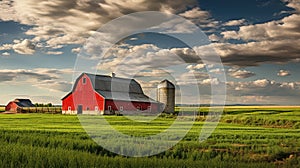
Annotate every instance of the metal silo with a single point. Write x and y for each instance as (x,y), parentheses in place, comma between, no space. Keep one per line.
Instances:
(166,95)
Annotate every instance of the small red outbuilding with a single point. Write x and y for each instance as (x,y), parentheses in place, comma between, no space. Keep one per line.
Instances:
(18,103)
(100,94)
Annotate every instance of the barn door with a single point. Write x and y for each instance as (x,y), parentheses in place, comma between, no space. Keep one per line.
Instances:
(79,109)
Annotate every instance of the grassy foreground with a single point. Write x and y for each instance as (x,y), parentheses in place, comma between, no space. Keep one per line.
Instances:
(244,138)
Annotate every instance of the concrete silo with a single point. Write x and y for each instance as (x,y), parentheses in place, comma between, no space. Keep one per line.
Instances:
(166,95)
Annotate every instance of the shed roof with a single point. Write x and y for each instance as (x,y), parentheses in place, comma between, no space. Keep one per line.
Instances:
(23,102)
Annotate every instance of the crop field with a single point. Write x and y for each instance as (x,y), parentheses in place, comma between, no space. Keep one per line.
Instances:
(2,108)
(245,137)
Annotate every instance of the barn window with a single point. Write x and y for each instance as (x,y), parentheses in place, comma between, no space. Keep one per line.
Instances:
(138,108)
(87,108)
(84,80)
(96,108)
(69,108)
(109,108)
(121,108)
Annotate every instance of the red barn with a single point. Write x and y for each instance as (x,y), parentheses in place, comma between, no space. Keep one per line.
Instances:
(18,103)
(100,94)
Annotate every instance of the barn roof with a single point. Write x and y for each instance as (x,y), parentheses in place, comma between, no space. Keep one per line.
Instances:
(115,84)
(116,88)
(23,103)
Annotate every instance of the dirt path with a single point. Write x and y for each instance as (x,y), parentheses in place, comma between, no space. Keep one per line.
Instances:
(8,112)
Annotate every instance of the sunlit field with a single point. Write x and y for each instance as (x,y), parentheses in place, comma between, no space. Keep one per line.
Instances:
(245,137)
(2,108)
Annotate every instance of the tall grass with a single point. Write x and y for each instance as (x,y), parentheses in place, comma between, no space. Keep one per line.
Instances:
(46,140)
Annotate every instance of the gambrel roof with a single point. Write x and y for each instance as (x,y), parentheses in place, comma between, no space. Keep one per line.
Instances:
(115,88)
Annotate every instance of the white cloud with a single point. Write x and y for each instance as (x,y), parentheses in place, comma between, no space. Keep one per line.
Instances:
(146,56)
(256,53)
(195,67)
(262,83)
(76,50)
(6,47)
(235,22)
(133,39)
(192,78)
(230,35)
(283,73)
(196,13)
(265,88)
(70,22)
(213,81)
(214,38)
(6,54)
(49,79)
(240,74)
(152,73)
(54,52)
(62,86)
(24,47)
(200,17)
(263,91)
(275,41)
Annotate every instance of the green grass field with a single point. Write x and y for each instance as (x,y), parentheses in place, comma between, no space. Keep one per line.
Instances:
(248,137)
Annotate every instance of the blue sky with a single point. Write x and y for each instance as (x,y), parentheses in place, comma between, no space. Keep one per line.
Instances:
(257,40)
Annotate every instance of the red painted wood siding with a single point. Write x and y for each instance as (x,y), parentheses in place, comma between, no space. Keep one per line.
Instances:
(11,107)
(84,95)
(129,106)
(68,102)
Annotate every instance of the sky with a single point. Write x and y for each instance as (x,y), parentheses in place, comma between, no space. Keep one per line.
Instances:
(258,42)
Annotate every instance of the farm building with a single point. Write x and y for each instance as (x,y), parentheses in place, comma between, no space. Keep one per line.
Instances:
(166,95)
(18,103)
(100,94)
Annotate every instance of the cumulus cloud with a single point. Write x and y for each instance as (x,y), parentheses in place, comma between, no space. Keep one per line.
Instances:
(235,22)
(261,91)
(262,83)
(257,53)
(62,86)
(54,52)
(264,91)
(283,73)
(196,13)
(200,17)
(76,50)
(195,67)
(263,87)
(6,47)
(24,47)
(44,78)
(240,74)
(152,73)
(70,22)
(128,59)
(214,38)
(6,54)
(275,41)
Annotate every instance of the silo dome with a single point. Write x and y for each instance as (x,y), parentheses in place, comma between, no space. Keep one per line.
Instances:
(166,95)
(166,84)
